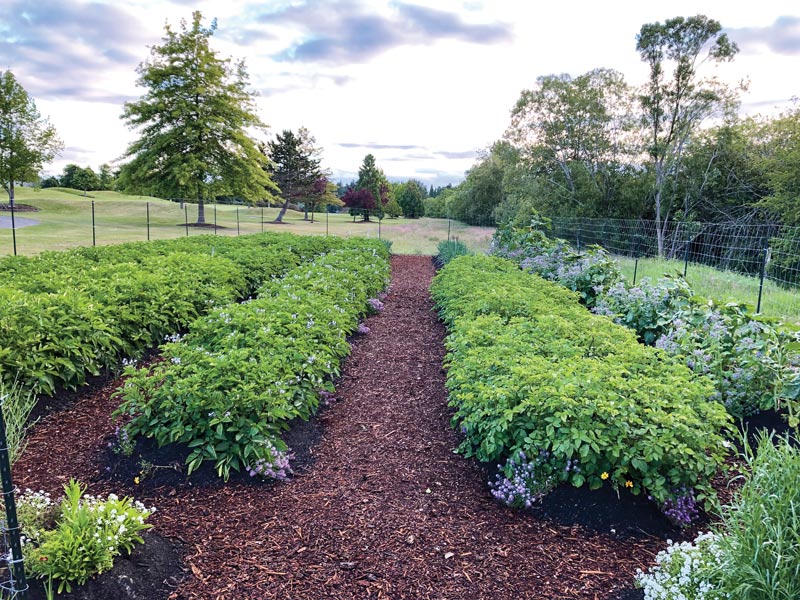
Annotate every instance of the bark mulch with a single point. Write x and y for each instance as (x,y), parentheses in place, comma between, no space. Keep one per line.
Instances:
(384,509)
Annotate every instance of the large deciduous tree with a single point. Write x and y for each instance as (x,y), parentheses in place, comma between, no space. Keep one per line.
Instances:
(27,140)
(574,133)
(193,122)
(675,105)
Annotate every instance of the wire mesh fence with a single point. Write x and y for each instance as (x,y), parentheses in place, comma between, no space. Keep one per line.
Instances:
(42,224)
(754,263)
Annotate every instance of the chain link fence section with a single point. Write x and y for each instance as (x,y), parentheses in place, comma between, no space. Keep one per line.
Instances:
(768,254)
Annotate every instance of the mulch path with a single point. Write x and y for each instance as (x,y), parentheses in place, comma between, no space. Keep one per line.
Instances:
(384,510)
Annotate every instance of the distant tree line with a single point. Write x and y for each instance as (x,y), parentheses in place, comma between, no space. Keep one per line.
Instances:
(673,149)
(82,178)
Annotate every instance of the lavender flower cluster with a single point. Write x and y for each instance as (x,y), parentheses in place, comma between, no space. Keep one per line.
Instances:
(362,329)
(375,304)
(681,509)
(275,466)
(522,482)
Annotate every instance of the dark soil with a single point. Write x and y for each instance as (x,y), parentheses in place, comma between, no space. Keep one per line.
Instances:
(151,571)
(165,467)
(382,509)
(19,208)
(768,421)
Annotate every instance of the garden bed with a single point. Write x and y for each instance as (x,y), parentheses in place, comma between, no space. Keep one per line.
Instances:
(386,509)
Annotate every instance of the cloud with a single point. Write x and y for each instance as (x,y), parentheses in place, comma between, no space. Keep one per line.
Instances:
(456,155)
(289,82)
(782,37)
(58,47)
(372,146)
(345,32)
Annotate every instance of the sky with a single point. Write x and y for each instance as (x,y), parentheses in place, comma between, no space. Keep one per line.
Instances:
(423,85)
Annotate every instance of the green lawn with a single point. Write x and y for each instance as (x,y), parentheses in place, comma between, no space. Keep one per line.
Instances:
(723,286)
(65,218)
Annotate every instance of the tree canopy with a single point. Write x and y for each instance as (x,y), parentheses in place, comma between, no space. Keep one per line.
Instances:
(27,140)
(193,121)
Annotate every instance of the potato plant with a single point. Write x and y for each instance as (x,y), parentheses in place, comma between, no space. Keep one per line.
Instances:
(529,369)
(232,384)
(67,315)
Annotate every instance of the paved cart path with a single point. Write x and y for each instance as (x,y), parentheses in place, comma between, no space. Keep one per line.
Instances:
(386,509)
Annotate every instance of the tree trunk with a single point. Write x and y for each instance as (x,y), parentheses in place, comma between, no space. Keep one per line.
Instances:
(284,207)
(312,212)
(305,210)
(201,212)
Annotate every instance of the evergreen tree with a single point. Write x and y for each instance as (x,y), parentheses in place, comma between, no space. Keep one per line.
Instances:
(193,121)
(372,179)
(294,168)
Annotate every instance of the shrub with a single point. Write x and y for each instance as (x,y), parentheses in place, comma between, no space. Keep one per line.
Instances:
(747,357)
(529,369)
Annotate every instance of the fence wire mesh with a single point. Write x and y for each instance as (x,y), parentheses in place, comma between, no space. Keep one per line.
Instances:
(753,251)
(100,221)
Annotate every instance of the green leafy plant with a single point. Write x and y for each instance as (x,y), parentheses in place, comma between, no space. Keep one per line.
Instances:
(529,369)
(231,385)
(67,543)
(447,250)
(753,552)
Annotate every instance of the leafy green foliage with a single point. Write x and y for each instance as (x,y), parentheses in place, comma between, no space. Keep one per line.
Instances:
(753,552)
(64,315)
(27,141)
(69,543)
(647,308)
(530,370)
(242,373)
(193,122)
(751,359)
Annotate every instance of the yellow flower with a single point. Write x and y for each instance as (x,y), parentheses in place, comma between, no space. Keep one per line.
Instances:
(136,480)
(604,475)
(628,484)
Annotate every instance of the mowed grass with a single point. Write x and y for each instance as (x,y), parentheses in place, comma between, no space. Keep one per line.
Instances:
(65,221)
(722,286)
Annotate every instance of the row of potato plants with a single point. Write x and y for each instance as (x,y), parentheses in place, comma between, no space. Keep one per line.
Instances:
(230,386)
(753,361)
(564,395)
(66,315)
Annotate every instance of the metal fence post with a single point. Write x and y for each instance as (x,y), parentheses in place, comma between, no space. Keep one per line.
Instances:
(327,213)
(635,269)
(262,219)
(761,279)
(13,229)
(215,218)
(237,221)
(148,221)
(19,584)
(686,257)
(94,227)
(186,218)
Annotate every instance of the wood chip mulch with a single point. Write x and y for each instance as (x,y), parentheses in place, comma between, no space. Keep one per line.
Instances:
(386,509)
